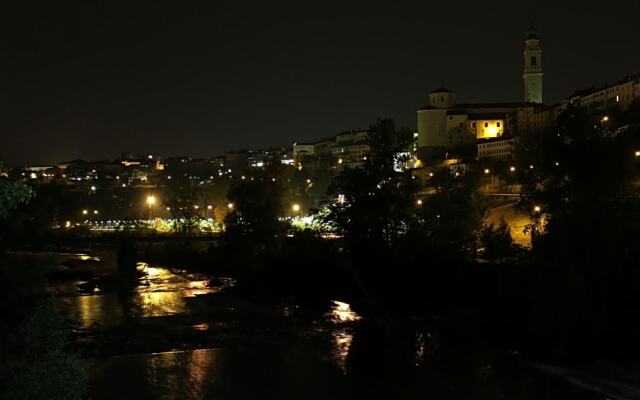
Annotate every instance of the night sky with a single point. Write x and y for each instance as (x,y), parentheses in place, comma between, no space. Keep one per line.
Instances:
(180,78)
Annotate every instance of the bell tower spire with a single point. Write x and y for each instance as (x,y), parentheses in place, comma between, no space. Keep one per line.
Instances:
(532,68)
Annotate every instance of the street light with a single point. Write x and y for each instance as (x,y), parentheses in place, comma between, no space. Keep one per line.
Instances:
(295,208)
(537,209)
(486,171)
(419,202)
(151,200)
(230,206)
(85,212)
(512,169)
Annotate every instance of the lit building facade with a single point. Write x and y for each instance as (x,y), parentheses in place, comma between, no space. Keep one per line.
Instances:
(301,150)
(443,124)
(619,94)
(496,149)
(351,149)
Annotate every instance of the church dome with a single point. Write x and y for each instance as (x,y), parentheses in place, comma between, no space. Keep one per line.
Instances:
(441,90)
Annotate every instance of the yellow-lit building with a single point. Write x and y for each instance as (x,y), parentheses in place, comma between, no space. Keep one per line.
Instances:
(487,126)
(444,124)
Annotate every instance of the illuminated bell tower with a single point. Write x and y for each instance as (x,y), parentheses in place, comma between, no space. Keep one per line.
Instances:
(532,68)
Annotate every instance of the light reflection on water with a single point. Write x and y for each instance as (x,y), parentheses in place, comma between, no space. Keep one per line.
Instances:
(341,314)
(159,292)
(342,340)
(86,257)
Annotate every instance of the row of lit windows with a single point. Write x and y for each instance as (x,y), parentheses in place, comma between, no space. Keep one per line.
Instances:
(497,151)
(485,145)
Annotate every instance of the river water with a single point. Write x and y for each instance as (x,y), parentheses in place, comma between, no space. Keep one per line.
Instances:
(179,335)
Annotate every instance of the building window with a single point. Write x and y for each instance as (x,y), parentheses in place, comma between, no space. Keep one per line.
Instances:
(534,61)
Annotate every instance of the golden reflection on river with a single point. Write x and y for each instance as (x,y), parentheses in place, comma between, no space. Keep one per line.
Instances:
(186,373)
(340,313)
(158,292)
(342,340)
(86,257)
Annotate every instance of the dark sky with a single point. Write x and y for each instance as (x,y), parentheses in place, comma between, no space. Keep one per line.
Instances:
(93,79)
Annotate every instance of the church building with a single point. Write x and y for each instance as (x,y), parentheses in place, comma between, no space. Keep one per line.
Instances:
(444,124)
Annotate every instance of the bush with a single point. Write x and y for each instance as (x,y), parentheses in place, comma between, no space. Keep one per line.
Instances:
(43,367)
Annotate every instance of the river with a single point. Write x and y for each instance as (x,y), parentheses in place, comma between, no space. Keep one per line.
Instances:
(179,335)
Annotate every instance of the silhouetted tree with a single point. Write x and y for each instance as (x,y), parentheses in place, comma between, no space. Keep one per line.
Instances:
(183,197)
(450,217)
(256,203)
(373,205)
(12,194)
(497,242)
(581,188)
